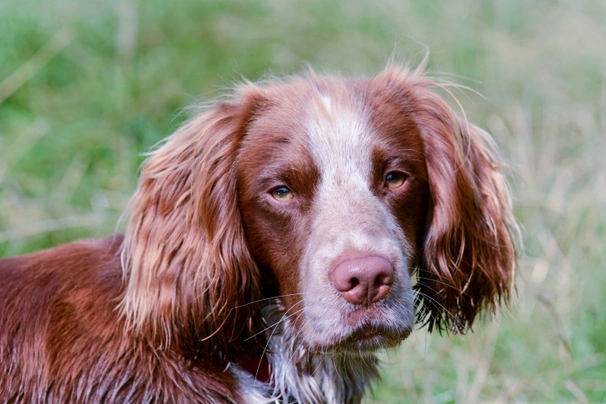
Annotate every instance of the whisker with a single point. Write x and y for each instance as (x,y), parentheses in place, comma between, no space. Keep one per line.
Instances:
(275,324)
(455,321)
(282,319)
(321,362)
(268,299)
(425,283)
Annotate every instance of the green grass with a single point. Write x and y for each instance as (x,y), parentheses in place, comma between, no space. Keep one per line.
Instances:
(87,87)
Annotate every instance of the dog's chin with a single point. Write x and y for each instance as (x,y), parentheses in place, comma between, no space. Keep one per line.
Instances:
(365,339)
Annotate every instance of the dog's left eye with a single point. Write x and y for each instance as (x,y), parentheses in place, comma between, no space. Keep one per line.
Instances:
(282,194)
(395,179)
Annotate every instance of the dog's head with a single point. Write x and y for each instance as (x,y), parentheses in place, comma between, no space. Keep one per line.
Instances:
(338,196)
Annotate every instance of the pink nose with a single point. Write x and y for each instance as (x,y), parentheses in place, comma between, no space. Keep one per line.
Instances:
(363,280)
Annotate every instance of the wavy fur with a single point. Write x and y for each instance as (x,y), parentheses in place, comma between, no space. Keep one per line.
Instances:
(284,226)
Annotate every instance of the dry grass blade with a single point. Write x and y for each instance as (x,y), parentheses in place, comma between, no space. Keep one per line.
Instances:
(36,63)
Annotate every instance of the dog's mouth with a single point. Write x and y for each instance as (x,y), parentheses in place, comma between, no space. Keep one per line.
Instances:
(362,331)
(365,339)
(369,338)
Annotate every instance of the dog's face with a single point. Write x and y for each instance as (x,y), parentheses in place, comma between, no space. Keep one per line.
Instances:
(333,194)
(328,193)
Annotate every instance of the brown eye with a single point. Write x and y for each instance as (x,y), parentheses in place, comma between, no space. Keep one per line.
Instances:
(394,179)
(282,194)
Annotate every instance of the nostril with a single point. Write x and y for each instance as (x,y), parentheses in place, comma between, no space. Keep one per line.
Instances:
(384,278)
(363,280)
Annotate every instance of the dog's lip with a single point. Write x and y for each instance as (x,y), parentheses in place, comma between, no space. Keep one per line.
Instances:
(371,337)
(367,332)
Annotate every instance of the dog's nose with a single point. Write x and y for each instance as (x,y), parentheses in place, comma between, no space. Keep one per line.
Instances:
(363,280)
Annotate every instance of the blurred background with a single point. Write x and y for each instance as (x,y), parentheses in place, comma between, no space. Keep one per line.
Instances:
(87,87)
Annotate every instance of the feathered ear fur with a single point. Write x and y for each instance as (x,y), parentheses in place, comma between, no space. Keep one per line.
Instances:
(188,273)
(468,259)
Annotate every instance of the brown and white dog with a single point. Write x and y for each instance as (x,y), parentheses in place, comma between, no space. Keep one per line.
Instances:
(274,244)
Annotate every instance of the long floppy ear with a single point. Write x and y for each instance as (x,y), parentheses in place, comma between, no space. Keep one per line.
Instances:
(468,259)
(188,273)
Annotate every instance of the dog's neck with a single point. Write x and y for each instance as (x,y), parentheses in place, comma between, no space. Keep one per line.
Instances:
(291,373)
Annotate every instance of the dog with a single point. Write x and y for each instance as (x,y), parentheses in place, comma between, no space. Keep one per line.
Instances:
(275,243)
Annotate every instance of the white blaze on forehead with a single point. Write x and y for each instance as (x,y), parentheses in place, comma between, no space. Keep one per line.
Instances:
(339,138)
(326,101)
(347,218)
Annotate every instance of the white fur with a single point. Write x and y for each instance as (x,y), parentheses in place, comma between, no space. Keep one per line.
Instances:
(347,219)
(301,376)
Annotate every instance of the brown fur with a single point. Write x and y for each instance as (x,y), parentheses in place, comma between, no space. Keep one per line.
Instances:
(162,314)
(63,340)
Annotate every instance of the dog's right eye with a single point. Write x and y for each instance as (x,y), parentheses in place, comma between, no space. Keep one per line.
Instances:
(282,194)
(395,179)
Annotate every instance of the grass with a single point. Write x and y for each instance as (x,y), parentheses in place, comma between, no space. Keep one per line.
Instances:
(86,88)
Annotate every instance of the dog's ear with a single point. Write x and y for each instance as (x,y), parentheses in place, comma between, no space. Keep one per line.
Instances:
(186,265)
(468,257)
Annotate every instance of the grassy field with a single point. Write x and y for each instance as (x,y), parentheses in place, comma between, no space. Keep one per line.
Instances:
(87,87)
